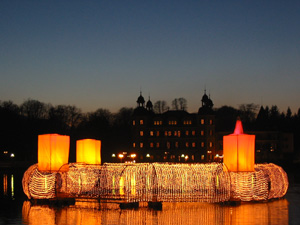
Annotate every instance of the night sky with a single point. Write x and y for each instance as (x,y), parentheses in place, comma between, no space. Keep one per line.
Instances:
(100,54)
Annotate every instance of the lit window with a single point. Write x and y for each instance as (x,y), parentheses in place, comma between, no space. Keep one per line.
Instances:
(141,145)
(186,144)
(202,144)
(170,133)
(202,132)
(193,133)
(141,133)
(176,144)
(179,133)
(210,133)
(187,133)
(175,133)
(157,133)
(202,157)
(151,133)
(210,144)
(202,121)
(168,145)
(133,144)
(141,122)
(166,133)
(193,144)
(210,122)
(157,144)
(151,145)
(133,122)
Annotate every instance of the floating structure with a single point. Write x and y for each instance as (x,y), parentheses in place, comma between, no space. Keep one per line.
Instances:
(237,179)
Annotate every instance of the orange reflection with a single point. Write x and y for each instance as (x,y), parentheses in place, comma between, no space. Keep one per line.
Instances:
(91,213)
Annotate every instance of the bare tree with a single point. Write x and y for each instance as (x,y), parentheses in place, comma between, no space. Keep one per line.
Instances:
(34,109)
(160,106)
(182,103)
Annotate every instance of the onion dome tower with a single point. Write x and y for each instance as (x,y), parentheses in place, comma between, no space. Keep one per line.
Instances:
(149,105)
(141,101)
(207,105)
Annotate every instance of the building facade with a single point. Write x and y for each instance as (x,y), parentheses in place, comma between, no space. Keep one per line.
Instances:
(173,136)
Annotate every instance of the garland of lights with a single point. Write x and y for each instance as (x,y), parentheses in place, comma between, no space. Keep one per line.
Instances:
(164,182)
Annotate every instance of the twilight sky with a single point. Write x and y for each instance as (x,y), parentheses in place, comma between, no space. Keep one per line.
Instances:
(101,53)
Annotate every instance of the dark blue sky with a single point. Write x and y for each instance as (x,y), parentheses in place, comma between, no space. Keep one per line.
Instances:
(99,54)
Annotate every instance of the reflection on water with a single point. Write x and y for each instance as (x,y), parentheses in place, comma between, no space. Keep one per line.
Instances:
(8,185)
(90,213)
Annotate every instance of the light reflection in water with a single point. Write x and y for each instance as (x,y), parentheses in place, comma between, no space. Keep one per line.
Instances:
(4,184)
(12,185)
(90,213)
(8,186)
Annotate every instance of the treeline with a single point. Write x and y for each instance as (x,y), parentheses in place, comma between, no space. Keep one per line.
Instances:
(20,125)
(258,118)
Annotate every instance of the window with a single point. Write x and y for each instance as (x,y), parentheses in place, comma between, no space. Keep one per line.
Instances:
(175,133)
(141,133)
(133,122)
(133,144)
(202,144)
(210,144)
(169,133)
(186,144)
(187,122)
(210,122)
(141,145)
(157,122)
(202,132)
(151,133)
(193,144)
(210,133)
(202,157)
(187,133)
(141,122)
(202,121)
(176,144)
(157,133)
(166,133)
(193,133)
(157,144)
(172,122)
(151,145)
(168,145)
(179,133)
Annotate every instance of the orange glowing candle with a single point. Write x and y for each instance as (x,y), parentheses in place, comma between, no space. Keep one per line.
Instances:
(88,151)
(239,150)
(53,151)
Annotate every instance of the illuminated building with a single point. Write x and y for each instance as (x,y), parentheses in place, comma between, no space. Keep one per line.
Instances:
(174,135)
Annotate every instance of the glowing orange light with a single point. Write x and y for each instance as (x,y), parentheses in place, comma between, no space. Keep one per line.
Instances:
(53,151)
(88,151)
(239,150)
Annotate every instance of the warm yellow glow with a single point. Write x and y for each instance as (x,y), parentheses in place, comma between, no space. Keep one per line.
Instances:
(164,182)
(239,151)
(88,151)
(53,151)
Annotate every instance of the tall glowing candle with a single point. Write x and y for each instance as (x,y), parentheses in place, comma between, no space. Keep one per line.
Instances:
(239,150)
(53,151)
(88,151)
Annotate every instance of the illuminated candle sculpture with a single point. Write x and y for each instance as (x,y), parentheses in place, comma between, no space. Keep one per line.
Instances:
(239,150)
(88,151)
(53,151)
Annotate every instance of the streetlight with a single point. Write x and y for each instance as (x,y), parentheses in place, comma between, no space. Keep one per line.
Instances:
(121,156)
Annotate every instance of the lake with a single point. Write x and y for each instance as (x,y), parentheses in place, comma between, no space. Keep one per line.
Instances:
(15,209)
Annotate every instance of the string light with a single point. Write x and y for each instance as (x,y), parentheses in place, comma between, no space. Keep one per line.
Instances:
(165,182)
